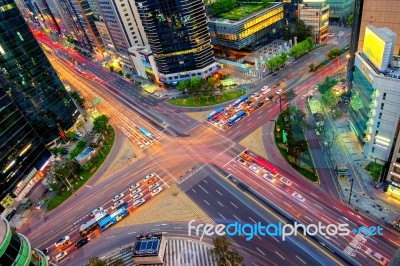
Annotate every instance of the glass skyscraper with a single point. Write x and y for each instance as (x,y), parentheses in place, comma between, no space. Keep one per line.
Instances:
(34,105)
(178,35)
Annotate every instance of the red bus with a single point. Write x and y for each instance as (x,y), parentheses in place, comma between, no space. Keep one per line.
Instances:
(269,167)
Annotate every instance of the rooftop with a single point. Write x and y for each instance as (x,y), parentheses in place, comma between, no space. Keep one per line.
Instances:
(147,246)
(242,11)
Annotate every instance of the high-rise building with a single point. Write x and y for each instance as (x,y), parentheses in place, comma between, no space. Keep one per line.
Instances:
(374,106)
(15,248)
(30,93)
(339,10)
(179,38)
(315,14)
(124,26)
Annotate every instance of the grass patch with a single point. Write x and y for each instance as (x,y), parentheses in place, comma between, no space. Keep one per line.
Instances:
(80,146)
(241,11)
(206,101)
(296,151)
(62,195)
(374,169)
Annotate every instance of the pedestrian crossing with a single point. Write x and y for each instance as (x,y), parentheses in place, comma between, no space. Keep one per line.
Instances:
(179,252)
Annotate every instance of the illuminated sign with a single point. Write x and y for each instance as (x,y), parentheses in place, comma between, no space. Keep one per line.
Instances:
(374,47)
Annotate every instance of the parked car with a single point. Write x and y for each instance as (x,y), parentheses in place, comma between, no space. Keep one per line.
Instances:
(82,242)
(156,191)
(117,204)
(62,241)
(138,202)
(61,256)
(134,186)
(137,196)
(95,211)
(119,196)
(298,196)
(154,186)
(136,191)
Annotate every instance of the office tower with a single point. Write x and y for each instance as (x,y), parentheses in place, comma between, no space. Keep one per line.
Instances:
(339,10)
(374,106)
(94,6)
(315,14)
(124,26)
(178,36)
(15,249)
(30,93)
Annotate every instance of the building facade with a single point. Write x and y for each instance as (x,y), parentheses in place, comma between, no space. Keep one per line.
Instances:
(144,62)
(374,106)
(30,93)
(15,248)
(124,26)
(316,15)
(178,36)
(249,31)
(339,10)
(392,185)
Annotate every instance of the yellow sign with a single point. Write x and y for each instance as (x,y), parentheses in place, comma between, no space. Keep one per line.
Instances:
(373,47)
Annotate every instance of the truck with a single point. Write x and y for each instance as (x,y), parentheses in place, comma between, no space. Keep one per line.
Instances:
(236,118)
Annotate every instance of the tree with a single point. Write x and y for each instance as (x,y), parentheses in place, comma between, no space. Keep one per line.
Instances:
(183,85)
(312,67)
(224,253)
(222,6)
(350,20)
(100,124)
(111,67)
(329,98)
(327,85)
(95,261)
(290,95)
(70,134)
(284,57)
(272,64)
(333,53)
(297,29)
(120,72)
(77,97)
(128,76)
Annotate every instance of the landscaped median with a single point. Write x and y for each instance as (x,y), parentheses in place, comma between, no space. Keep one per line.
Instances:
(85,173)
(292,143)
(198,101)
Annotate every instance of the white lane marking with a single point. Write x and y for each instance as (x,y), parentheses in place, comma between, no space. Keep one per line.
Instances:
(234,205)
(203,189)
(109,237)
(221,216)
(259,237)
(207,202)
(318,206)
(219,192)
(131,233)
(261,251)
(314,195)
(236,218)
(307,218)
(301,259)
(205,181)
(194,190)
(220,204)
(337,208)
(275,239)
(252,220)
(288,204)
(279,255)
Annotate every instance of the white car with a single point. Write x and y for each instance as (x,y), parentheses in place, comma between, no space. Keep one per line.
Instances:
(119,196)
(279,91)
(140,145)
(285,181)
(136,191)
(266,91)
(156,191)
(268,178)
(62,241)
(117,204)
(149,176)
(146,142)
(376,256)
(61,256)
(298,197)
(264,88)
(257,97)
(95,211)
(151,187)
(138,203)
(134,186)
(254,168)
(331,35)
(137,196)
(100,215)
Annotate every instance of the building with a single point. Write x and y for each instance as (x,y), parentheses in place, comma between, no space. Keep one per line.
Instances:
(339,10)
(249,31)
(144,62)
(15,248)
(149,250)
(34,105)
(178,36)
(374,105)
(316,15)
(105,36)
(392,185)
(124,26)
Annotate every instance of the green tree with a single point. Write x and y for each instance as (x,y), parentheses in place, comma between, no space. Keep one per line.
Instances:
(312,67)
(309,44)
(297,29)
(290,95)
(224,253)
(128,76)
(111,67)
(100,124)
(284,57)
(95,261)
(327,84)
(77,97)
(272,64)
(222,6)
(120,72)
(329,98)
(70,134)
(350,20)
(333,53)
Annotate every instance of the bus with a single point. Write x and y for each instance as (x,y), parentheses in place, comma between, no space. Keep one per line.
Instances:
(234,119)
(145,132)
(263,163)
(240,100)
(214,113)
(113,218)
(88,227)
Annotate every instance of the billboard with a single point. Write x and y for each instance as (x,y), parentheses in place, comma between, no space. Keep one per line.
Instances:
(374,47)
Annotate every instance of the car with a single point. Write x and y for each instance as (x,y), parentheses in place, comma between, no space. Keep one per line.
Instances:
(138,202)
(137,196)
(149,176)
(254,95)
(117,204)
(276,85)
(279,91)
(39,205)
(270,97)
(146,142)
(152,181)
(221,123)
(264,88)
(259,104)
(151,187)
(285,181)
(61,256)
(258,97)
(286,79)
(140,145)
(254,168)
(62,241)
(11,214)
(119,196)
(135,192)
(376,256)
(268,178)
(156,191)
(242,161)
(95,211)
(100,215)
(134,186)
(82,242)
(266,91)
(331,34)
(298,196)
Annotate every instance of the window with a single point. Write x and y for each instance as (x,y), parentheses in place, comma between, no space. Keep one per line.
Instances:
(380,115)
(376,132)
(373,149)
(384,96)
(378,125)
(382,105)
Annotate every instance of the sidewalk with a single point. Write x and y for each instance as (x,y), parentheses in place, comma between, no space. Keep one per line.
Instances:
(341,147)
